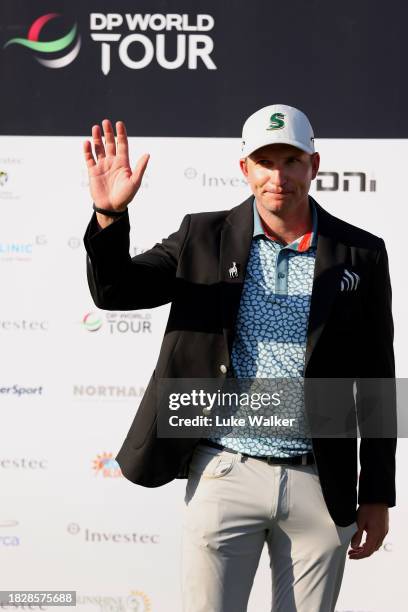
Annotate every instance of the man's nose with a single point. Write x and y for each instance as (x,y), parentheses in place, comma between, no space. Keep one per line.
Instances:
(277,176)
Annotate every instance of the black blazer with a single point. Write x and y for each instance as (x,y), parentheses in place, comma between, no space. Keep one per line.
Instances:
(350,335)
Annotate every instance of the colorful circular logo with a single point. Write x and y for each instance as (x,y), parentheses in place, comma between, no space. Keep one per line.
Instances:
(71,41)
(138,602)
(92,321)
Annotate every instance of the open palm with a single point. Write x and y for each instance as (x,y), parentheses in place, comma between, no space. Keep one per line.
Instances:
(111,180)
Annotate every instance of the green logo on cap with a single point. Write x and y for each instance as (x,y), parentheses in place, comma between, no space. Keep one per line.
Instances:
(276,122)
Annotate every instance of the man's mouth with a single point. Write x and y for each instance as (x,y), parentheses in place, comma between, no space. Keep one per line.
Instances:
(276,193)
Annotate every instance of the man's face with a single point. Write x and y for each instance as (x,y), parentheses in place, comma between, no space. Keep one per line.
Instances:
(279,176)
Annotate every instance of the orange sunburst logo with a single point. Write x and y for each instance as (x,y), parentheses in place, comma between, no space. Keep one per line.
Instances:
(106,465)
(138,602)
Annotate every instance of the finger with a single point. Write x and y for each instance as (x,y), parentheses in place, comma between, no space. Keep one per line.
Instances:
(361,554)
(110,146)
(89,158)
(370,544)
(123,147)
(97,140)
(140,168)
(356,539)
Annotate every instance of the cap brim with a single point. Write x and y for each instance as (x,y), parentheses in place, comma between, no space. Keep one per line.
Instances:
(248,150)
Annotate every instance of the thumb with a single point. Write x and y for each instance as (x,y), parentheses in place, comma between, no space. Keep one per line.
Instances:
(140,168)
(356,539)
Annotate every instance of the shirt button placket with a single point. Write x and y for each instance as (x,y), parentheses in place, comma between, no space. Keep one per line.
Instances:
(281,279)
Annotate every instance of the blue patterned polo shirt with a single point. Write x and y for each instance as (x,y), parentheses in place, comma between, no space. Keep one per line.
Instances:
(271,328)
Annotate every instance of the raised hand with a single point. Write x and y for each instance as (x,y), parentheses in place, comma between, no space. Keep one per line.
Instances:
(111,180)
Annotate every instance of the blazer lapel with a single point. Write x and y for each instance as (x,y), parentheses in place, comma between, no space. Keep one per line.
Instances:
(331,256)
(236,237)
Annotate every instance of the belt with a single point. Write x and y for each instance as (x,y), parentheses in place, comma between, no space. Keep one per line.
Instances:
(305,459)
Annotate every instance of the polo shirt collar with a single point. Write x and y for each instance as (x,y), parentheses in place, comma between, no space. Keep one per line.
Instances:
(308,240)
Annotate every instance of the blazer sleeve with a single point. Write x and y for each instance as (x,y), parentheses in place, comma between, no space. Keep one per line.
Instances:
(120,282)
(377,454)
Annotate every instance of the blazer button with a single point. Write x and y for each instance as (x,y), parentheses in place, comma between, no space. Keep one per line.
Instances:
(223,368)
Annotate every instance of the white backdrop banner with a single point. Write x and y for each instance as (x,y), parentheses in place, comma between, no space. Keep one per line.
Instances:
(72,375)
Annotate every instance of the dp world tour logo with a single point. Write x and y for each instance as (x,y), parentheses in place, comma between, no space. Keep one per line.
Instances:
(92,322)
(70,42)
(276,122)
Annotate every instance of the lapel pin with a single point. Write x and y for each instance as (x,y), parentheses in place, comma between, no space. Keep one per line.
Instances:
(233,270)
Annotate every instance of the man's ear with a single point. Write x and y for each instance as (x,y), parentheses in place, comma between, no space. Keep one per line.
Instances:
(315,164)
(243,166)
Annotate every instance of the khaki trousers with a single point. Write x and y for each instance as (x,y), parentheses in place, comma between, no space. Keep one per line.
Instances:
(233,505)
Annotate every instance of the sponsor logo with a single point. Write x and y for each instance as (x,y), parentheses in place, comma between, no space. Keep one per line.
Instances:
(23,325)
(6,181)
(92,321)
(69,44)
(89,535)
(207,180)
(74,242)
(12,248)
(23,463)
(20,251)
(129,322)
(107,391)
(21,391)
(107,466)
(7,537)
(180,43)
(136,601)
(3,178)
(118,322)
(344,181)
(276,121)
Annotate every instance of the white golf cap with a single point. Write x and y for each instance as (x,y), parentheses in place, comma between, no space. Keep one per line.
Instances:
(277,124)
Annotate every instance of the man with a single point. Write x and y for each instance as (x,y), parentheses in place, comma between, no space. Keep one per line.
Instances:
(275,287)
